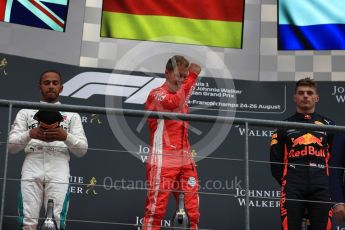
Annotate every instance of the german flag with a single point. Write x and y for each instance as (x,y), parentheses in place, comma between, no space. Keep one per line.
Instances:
(200,22)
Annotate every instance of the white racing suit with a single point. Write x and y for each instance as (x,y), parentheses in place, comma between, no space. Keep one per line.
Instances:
(45,171)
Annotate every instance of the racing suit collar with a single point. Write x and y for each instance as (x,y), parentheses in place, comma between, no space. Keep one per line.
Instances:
(305,116)
(57,103)
(168,88)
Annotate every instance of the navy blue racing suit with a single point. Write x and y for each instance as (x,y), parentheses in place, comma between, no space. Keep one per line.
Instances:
(299,163)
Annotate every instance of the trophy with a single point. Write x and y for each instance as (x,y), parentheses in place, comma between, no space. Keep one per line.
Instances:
(180,219)
(49,222)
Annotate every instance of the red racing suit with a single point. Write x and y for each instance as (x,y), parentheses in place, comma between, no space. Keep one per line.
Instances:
(300,165)
(170,167)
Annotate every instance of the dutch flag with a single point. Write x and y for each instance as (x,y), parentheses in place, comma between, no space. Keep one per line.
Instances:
(311,25)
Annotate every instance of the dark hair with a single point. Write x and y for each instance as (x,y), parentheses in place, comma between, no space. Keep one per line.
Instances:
(176,61)
(306,82)
(50,71)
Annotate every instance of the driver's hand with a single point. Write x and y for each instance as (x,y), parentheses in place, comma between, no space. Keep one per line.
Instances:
(195,68)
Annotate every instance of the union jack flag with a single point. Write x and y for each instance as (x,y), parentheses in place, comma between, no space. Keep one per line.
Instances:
(46,14)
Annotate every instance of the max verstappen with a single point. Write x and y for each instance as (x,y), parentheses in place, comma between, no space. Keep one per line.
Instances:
(299,163)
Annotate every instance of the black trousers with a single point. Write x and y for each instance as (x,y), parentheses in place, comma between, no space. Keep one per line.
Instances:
(298,198)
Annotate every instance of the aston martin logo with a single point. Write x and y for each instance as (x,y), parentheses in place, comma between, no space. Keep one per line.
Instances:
(3,65)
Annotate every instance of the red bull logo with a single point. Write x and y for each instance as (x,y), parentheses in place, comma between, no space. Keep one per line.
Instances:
(306,139)
(307,150)
(307,117)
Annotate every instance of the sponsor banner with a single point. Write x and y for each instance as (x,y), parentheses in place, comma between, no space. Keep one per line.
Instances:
(254,132)
(208,94)
(338,92)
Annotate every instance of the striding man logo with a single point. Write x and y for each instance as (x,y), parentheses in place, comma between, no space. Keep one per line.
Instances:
(91,187)
(3,65)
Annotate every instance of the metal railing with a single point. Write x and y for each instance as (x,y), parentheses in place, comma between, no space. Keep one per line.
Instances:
(165,115)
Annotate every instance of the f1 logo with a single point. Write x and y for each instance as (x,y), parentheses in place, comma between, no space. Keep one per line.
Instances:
(135,88)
